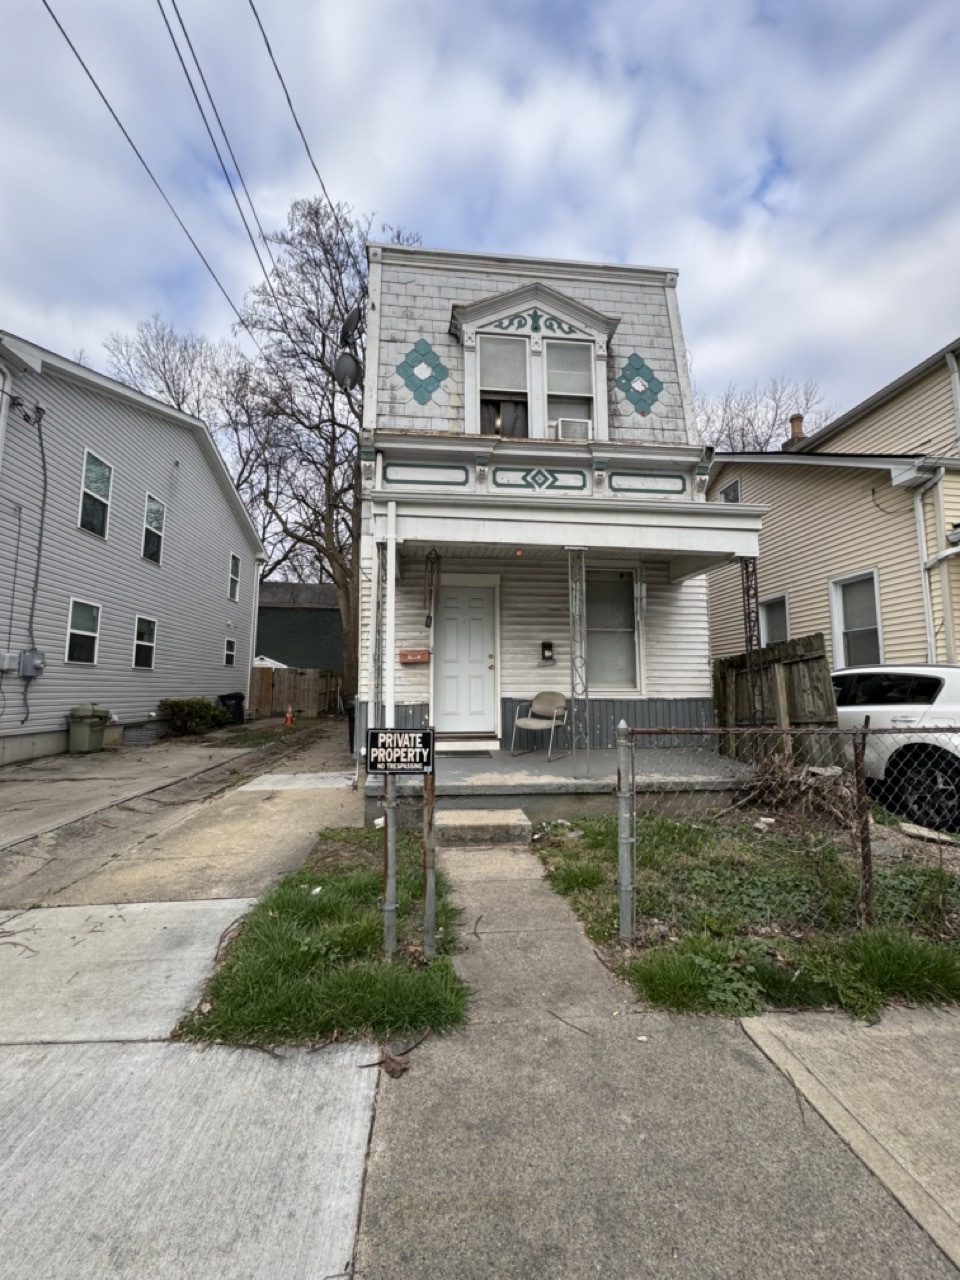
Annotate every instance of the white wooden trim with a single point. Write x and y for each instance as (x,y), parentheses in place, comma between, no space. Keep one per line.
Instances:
(83,490)
(836,611)
(70,631)
(371,375)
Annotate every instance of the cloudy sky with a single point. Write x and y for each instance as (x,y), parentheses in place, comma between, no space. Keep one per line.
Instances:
(797,162)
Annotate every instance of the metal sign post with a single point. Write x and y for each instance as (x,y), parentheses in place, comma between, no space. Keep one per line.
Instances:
(391,752)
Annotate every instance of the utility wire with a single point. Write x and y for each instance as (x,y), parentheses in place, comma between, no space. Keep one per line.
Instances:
(150,173)
(226,139)
(306,145)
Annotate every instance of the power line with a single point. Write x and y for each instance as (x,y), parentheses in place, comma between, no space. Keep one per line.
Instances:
(306,145)
(153,178)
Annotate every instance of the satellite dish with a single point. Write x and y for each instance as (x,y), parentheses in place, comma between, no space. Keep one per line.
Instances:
(350,324)
(346,372)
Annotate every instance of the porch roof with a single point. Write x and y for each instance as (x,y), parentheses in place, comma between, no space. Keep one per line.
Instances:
(691,536)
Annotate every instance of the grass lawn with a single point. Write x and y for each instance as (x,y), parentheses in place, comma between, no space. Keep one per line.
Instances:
(731,921)
(306,965)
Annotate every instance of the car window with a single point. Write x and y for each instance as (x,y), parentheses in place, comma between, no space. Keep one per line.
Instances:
(841,690)
(890,688)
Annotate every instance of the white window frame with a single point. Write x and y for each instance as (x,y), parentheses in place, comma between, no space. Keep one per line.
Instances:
(546,389)
(88,453)
(231,578)
(71,630)
(536,374)
(142,617)
(780,595)
(639,613)
(151,497)
(836,612)
(228,652)
(733,485)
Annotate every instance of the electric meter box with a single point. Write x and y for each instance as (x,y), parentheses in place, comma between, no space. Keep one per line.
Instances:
(33,663)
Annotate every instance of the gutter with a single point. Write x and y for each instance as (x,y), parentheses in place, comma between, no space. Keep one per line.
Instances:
(254,610)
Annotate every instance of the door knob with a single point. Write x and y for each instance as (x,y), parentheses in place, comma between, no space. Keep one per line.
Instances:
(489,666)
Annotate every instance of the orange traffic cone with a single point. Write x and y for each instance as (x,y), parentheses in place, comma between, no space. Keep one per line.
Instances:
(288,718)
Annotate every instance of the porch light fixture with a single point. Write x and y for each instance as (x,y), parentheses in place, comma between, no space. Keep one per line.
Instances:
(518,552)
(546,650)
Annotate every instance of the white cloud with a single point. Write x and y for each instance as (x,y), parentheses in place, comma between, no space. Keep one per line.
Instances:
(794,162)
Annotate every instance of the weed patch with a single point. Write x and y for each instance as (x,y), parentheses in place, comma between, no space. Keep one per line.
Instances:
(307,964)
(731,920)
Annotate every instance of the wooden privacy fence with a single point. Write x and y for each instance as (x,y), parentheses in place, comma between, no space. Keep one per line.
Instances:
(797,694)
(309,692)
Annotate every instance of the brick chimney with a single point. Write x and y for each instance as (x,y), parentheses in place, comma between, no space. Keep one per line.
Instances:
(796,433)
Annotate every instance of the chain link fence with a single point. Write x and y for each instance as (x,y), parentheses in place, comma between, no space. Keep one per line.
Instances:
(799,832)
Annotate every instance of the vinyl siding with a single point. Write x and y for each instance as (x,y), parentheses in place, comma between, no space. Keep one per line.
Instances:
(187,594)
(534,607)
(918,420)
(825,523)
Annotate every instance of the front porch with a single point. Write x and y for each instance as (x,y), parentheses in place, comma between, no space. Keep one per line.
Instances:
(668,777)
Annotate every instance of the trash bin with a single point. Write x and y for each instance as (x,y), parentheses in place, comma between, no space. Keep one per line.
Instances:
(87,722)
(234,704)
(350,707)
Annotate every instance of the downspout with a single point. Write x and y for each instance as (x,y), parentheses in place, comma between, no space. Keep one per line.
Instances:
(390,623)
(924,567)
(955,392)
(254,609)
(5,383)
(946,596)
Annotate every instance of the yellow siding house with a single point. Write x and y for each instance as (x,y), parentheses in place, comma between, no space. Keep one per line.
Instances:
(863,527)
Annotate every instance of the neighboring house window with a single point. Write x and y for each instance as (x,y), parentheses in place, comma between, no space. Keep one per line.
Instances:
(503,387)
(230,653)
(856,620)
(730,492)
(773,620)
(234,577)
(144,643)
(83,632)
(95,496)
(569,390)
(611,630)
(153,530)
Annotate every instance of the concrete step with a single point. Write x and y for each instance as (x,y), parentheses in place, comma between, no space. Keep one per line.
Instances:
(459,827)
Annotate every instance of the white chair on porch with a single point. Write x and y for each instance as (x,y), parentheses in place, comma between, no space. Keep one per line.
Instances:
(546,713)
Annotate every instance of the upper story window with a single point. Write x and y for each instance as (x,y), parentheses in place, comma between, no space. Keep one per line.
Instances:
(730,492)
(569,390)
(153,529)
(504,404)
(234,587)
(95,494)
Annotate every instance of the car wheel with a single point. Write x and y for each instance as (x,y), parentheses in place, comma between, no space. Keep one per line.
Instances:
(929,791)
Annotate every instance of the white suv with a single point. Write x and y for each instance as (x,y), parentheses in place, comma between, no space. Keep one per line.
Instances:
(913,771)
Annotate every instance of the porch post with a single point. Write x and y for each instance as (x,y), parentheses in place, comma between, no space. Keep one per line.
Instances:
(579,692)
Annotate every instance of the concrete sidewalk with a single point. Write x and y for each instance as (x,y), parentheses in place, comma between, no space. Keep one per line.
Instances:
(566,1133)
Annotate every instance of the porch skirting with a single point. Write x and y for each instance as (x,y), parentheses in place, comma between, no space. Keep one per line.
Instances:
(605,715)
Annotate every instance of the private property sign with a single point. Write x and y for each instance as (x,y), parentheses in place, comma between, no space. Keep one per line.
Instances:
(399,751)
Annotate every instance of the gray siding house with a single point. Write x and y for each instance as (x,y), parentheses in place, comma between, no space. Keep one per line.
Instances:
(534,514)
(128,565)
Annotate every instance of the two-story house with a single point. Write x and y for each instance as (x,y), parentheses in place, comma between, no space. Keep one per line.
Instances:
(863,527)
(128,565)
(534,514)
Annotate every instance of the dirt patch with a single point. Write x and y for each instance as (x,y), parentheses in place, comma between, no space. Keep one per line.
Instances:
(346,849)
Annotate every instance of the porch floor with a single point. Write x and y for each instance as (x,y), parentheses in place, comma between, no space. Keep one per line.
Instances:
(658,769)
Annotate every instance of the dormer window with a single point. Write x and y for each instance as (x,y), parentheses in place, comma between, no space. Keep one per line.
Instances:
(569,390)
(535,365)
(504,405)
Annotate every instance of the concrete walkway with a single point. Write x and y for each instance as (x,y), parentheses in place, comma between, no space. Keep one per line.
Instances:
(565,1133)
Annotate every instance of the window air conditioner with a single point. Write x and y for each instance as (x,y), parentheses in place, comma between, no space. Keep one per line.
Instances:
(573,428)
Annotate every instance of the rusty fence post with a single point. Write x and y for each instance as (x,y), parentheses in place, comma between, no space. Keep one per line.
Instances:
(868,914)
(390,864)
(625,833)
(429,865)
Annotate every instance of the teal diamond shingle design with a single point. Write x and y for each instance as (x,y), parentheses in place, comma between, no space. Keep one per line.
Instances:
(639,384)
(422,371)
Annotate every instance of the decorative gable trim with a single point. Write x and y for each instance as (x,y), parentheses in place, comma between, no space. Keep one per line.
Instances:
(516,304)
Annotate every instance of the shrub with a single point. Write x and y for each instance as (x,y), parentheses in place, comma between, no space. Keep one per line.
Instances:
(193,715)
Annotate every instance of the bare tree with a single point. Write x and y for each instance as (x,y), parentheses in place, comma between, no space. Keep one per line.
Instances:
(757,418)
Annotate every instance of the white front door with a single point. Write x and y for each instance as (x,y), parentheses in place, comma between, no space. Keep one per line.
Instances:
(465,662)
